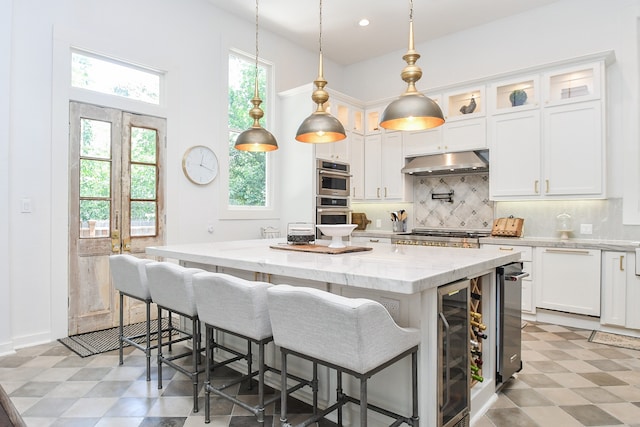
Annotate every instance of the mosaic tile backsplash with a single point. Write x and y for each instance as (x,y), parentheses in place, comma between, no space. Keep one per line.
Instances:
(470,207)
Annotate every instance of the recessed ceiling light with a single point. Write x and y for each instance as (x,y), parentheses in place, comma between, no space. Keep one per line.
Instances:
(363,22)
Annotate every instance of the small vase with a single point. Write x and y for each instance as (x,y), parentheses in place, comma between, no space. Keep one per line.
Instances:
(518,97)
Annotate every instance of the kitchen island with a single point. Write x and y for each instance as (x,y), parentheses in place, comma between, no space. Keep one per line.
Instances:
(403,278)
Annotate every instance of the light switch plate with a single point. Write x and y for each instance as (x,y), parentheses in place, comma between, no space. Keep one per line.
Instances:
(586,228)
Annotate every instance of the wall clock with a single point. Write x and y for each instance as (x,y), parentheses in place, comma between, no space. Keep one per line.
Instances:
(200,164)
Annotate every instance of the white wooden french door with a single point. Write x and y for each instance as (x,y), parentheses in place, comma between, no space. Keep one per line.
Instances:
(116,205)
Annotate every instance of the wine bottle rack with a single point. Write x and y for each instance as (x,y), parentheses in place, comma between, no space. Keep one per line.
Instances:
(475,306)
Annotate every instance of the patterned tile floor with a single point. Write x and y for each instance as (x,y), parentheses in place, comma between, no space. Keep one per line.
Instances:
(566,381)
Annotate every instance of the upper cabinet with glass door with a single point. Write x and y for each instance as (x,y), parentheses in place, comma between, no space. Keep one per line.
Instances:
(574,84)
(521,93)
(464,103)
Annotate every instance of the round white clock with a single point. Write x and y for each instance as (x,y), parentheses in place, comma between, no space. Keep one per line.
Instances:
(200,164)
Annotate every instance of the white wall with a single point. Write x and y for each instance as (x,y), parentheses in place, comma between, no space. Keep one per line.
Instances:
(187,39)
(5,90)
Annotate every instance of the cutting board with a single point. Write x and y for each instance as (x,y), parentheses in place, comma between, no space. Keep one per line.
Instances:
(321,249)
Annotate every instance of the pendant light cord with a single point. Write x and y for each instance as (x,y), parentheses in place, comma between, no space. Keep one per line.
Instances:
(320,37)
(256,69)
(411,10)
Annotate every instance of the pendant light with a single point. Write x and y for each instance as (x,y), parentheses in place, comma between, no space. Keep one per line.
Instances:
(413,110)
(256,138)
(320,126)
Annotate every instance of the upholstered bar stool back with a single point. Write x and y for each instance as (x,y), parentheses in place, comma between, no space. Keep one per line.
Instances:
(235,306)
(352,335)
(171,288)
(130,278)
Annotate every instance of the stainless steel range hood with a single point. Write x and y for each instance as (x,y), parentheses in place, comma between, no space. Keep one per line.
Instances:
(463,163)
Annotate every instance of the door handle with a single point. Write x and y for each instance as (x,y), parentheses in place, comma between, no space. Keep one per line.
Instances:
(126,244)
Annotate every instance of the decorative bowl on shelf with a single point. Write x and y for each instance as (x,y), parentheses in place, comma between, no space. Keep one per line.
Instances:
(336,232)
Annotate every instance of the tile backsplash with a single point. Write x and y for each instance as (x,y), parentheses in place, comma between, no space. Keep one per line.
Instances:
(469,208)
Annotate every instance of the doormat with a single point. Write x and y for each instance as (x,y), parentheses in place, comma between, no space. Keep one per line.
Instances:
(615,340)
(91,343)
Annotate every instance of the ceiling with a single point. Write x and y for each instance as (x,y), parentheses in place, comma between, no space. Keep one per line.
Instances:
(344,42)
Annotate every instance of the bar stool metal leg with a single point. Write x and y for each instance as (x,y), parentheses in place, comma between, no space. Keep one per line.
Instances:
(363,402)
(283,388)
(160,347)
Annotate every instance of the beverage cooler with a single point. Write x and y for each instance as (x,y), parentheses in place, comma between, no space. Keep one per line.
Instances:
(453,355)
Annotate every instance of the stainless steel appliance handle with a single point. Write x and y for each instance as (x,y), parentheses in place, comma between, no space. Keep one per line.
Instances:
(516,277)
(446,361)
(333,172)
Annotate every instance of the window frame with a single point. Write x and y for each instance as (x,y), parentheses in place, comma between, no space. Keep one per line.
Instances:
(270,210)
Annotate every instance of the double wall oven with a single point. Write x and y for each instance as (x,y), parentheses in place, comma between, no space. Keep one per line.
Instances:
(332,195)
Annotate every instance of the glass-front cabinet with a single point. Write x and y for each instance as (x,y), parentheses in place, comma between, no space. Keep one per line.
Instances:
(579,83)
(514,95)
(465,103)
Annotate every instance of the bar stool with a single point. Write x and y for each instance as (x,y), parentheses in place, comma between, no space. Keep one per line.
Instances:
(237,307)
(171,289)
(352,335)
(130,278)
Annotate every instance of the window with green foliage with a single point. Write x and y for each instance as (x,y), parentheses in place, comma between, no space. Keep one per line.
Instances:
(248,171)
(105,75)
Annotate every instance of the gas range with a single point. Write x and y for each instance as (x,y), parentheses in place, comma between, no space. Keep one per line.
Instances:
(452,238)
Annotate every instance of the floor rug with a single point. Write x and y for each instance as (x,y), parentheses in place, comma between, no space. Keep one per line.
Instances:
(97,342)
(615,340)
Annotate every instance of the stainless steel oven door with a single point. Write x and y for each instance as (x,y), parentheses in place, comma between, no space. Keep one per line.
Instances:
(331,216)
(332,183)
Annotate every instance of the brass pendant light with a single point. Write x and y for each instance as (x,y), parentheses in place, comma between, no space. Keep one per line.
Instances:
(413,110)
(320,126)
(256,138)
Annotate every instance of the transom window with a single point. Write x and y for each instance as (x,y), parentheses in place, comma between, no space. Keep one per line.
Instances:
(105,75)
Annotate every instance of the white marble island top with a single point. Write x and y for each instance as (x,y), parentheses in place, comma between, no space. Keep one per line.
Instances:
(387,267)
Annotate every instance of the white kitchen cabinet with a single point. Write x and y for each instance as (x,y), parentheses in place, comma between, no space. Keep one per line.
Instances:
(464,103)
(554,148)
(573,147)
(620,290)
(422,142)
(515,154)
(383,161)
(356,145)
(614,288)
(372,120)
(337,151)
(528,302)
(568,280)
(515,94)
(459,135)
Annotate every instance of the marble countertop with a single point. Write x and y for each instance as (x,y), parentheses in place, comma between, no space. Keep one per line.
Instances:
(387,267)
(602,244)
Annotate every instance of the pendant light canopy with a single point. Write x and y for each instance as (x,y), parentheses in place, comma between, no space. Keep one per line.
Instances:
(320,126)
(256,138)
(413,110)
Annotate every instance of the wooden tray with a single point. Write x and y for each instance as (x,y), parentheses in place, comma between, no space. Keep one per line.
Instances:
(321,249)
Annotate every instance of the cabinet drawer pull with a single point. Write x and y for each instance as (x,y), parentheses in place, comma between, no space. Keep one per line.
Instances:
(378,192)
(621,262)
(505,249)
(567,251)
(535,186)
(547,184)
(374,240)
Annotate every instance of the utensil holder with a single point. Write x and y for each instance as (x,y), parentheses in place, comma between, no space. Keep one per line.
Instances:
(399,226)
